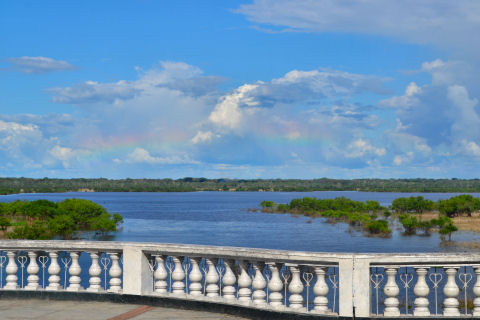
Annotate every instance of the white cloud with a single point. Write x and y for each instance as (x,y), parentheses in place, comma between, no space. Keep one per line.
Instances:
(203,137)
(227,112)
(140,155)
(471,148)
(361,147)
(175,76)
(294,88)
(399,160)
(442,22)
(37,65)
(405,101)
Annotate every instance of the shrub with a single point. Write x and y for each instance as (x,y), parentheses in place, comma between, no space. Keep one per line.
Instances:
(267,204)
(378,227)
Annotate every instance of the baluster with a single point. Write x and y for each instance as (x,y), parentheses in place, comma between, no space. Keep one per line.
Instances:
(115,274)
(32,270)
(229,280)
(11,271)
(275,285)
(258,284)
(178,275)
(160,275)
(53,271)
(244,283)
(211,279)
(476,292)
(94,272)
(391,290)
(421,291)
(320,290)
(195,277)
(75,270)
(295,288)
(451,291)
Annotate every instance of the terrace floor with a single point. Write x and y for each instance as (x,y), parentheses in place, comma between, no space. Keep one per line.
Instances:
(87,310)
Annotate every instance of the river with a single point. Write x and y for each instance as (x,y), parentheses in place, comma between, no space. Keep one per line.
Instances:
(221,218)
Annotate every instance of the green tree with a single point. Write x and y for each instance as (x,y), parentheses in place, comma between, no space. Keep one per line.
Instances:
(63,225)
(5,223)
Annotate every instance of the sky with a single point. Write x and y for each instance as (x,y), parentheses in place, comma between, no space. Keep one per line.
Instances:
(240,89)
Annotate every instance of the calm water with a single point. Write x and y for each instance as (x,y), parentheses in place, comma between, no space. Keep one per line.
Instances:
(221,218)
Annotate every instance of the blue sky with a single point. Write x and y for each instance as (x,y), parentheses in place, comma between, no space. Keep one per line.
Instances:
(240,89)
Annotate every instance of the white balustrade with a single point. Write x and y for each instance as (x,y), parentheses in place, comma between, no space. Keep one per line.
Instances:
(297,282)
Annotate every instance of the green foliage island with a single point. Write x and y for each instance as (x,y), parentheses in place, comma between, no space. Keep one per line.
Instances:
(413,213)
(46,185)
(43,219)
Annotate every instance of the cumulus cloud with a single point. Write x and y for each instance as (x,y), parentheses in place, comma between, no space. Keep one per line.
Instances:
(38,65)
(294,88)
(175,76)
(441,22)
(436,122)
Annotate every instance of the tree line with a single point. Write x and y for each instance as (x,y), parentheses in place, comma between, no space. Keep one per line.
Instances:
(189,184)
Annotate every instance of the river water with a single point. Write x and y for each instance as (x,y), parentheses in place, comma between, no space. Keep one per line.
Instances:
(221,218)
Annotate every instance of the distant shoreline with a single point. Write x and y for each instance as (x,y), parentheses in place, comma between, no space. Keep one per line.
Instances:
(47,185)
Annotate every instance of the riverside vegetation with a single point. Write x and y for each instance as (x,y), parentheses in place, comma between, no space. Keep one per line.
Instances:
(43,219)
(46,185)
(414,213)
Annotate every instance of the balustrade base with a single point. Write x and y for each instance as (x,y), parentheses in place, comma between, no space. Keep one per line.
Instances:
(31,288)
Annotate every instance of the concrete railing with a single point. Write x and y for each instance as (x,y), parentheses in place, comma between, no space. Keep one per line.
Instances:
(327,284)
